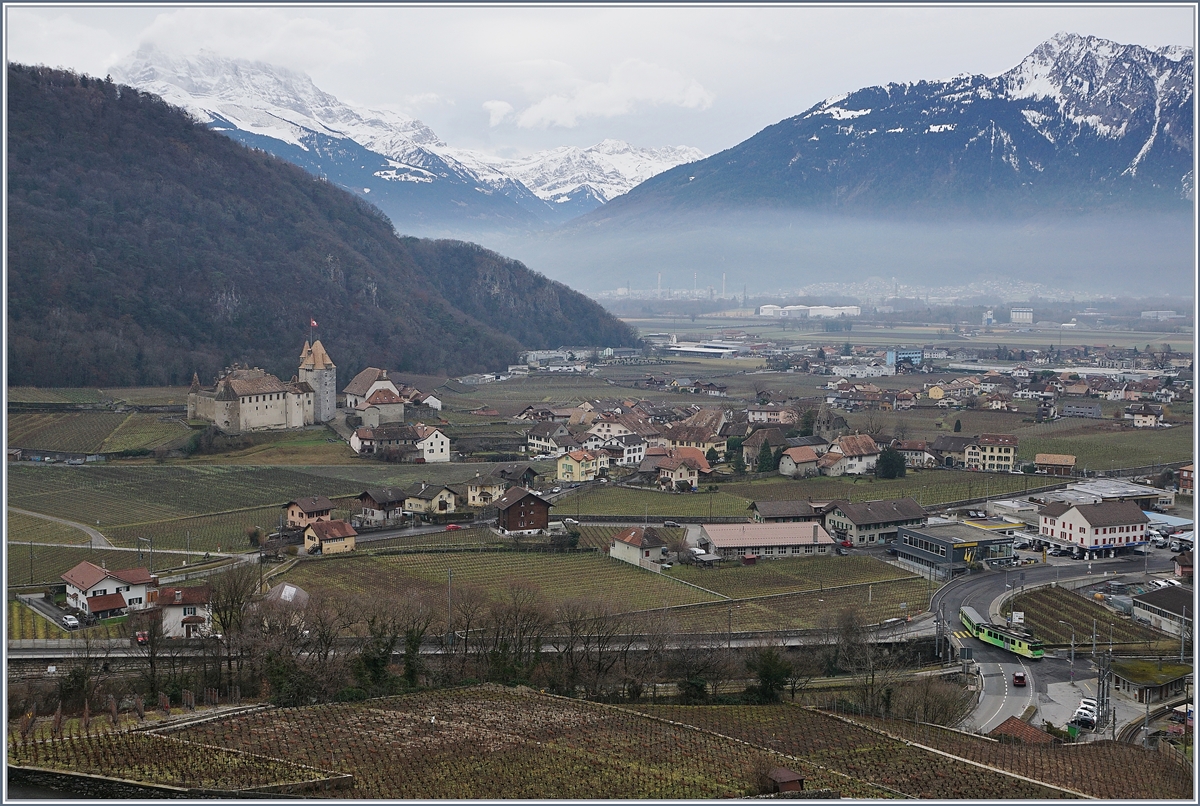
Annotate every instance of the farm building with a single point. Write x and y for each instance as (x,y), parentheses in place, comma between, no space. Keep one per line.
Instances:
(767,540)
(303,511)
(784,511)
(1055,464)
(95,590)
(519,510)
(874,521)
(329,537)
(640,546)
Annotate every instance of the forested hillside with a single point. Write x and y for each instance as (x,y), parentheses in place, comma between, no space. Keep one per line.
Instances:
(143,248)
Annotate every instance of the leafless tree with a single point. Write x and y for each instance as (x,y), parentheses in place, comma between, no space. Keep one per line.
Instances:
(516,629)
(230,603)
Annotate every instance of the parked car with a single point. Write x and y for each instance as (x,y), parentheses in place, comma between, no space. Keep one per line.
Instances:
(847,543)
(842,550)
(557,490)
(1084,720)
(142,637)
(665,566)
(674,524)
(452,527)
(1019,679)
(70,622)
(1088,702)
(570,522)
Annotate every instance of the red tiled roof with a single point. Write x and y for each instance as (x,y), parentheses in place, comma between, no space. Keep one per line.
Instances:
(801,455)
(109,601)
(641,537)
(331,530)
(195,595)
(85,575)
(314,503)
(1021,730)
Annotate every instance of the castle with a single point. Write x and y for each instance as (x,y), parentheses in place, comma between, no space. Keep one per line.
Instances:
(245,399)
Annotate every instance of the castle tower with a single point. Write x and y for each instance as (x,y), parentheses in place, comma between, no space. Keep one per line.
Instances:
(319,372)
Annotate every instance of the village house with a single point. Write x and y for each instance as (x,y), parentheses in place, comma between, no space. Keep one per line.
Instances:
(383,406)
(1183,564)
(522,511)
(578,466)
(798,462)
(874,521)
(628,451)
(996,452)
(772,413)
(418,443)
(1089,410)
(640,546)
(1095,527)
(1144,415)
(854,454)
(366,383)
(752,446)
(678,473)
(917,454)
(1187,479)
(765,540)
(482,491)
(381,505)
(303,511)
(520,474)
(186,612)
(547,437)
(102,593)
(785,511)
(329,537)
(951,450)
(429,499)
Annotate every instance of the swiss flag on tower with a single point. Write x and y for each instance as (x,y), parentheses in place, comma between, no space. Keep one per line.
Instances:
(312,322)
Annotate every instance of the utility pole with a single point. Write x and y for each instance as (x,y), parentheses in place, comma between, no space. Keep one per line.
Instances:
(189,550)
(1060,621)
(1183,633)
(1093,638)
(449,623)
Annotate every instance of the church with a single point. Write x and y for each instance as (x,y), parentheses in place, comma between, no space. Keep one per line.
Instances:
(251,399)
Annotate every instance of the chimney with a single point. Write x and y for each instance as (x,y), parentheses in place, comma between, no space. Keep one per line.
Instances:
(178,595)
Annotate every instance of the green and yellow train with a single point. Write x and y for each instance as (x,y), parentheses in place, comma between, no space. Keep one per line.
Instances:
(1014,640)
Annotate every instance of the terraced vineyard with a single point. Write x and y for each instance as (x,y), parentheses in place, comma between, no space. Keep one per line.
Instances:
(856,751)
(29,529)
(559,578)
(788,575)
(491,742)
(1045,607)
(1143,774)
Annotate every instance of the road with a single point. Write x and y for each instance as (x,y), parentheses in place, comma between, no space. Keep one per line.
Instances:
(96,539)
(1052,685)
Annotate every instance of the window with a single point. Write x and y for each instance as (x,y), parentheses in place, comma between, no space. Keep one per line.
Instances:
(189,611)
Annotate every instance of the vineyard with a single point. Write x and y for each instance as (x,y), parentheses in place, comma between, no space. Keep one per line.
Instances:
(50,562)
(558,577)
(1101,451)
(818,609)
(75,431)
(479,536)
(155,759)
(33,394)
(23,623)
(600,537)
(1045,607)
(29,529)
(788,575)
(491,742)
(146,432)
(1143,774)
(223,532)
(856,751)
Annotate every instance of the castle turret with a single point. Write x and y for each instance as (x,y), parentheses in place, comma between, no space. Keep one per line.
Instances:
(319,372)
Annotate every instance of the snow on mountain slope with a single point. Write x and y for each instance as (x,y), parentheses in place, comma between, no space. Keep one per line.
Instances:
(262,100)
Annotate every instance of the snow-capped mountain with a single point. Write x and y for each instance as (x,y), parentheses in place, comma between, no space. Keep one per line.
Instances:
(584,178)
(396,161)
(1080,124)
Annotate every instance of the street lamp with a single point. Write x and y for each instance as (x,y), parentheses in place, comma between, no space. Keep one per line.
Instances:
(1060,621)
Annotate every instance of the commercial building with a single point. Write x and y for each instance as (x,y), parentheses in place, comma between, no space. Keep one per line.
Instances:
(944,551)
(765,540)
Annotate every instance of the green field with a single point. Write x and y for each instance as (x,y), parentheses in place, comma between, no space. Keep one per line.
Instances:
(21,528)
(558,577)
(812,610)
(788,575)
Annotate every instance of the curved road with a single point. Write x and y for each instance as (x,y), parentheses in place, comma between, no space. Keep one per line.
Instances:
(1000,699)
(97,540)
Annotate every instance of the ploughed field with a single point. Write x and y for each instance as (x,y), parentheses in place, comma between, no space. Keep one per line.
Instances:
(493,742)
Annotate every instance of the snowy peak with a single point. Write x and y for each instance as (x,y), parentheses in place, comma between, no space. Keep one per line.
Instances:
(604,171)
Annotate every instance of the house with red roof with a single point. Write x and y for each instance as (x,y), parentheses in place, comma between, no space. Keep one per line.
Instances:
(186,612)
(637,545)
(97,591)
(329,537)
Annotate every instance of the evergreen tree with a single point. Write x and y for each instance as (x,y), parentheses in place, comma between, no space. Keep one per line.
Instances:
(766,461)
(890,464)
(711,457)
(957,426)
(738,465)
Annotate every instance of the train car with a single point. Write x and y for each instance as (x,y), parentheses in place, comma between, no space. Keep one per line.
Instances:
(1014,640)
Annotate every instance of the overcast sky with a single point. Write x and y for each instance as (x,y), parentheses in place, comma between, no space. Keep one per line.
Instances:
(515,80)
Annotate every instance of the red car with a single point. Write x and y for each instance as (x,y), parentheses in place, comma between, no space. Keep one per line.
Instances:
(848,544)
(1018,679)
(452,527)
